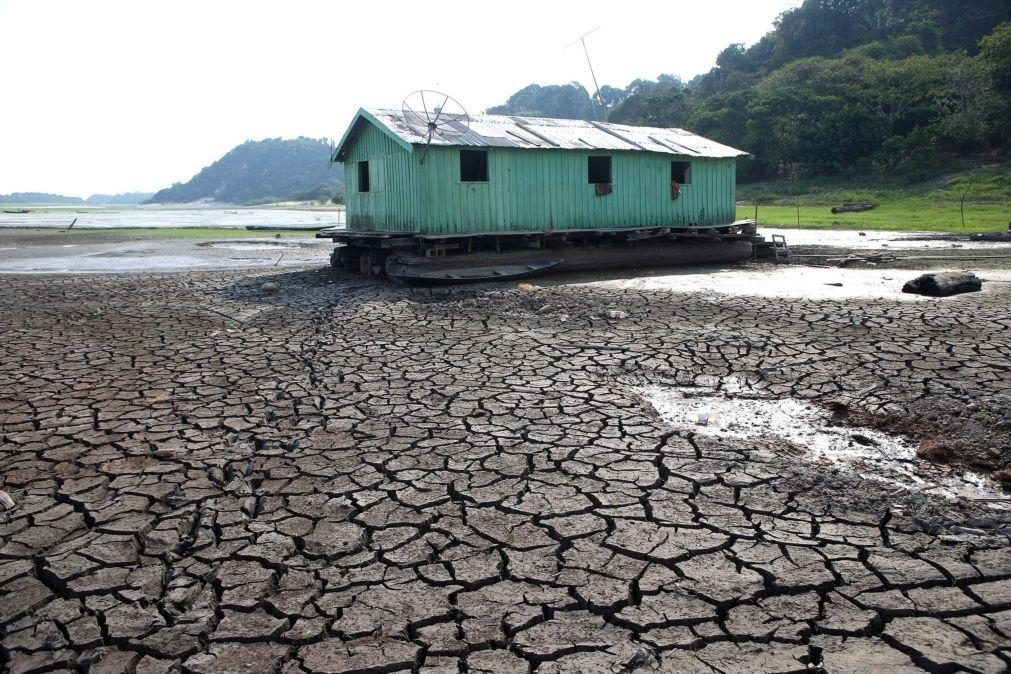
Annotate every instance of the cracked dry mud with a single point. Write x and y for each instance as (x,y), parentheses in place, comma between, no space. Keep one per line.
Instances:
(352,477)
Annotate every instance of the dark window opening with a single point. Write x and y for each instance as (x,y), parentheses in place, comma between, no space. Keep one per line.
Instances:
(363,176)
(598,170)
(473,166)
(681,172)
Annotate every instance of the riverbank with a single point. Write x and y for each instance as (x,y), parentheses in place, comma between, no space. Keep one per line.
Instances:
(333,474)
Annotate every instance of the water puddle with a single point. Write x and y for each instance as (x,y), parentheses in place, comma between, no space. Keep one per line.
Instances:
(733,413)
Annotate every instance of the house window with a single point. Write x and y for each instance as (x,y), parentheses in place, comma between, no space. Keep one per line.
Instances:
(681,172)
(598,170)
(363,176)
(473,166)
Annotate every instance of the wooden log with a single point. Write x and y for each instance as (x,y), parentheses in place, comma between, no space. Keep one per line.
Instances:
(943,284)
(852,208)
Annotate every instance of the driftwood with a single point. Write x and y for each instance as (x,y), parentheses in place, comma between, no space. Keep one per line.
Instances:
(852,208)
(944,284)
(860,259)
(992,236)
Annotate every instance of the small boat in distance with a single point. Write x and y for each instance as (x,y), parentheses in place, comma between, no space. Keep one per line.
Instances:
(286,228)
(19,210)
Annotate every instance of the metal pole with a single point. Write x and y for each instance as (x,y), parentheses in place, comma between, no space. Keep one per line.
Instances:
(582,39)
(594,76)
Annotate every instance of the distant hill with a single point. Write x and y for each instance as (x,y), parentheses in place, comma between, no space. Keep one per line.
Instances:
(561,101)
(573,101)
(261,171)
(124,199)
(38,198)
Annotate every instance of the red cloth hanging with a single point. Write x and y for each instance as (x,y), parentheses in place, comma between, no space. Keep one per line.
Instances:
(675,189)
(603,189)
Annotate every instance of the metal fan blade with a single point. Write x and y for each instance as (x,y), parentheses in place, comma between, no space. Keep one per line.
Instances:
(440,109)
(424,106)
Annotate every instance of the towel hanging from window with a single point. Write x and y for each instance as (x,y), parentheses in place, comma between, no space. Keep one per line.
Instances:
(675,189)
(603,189)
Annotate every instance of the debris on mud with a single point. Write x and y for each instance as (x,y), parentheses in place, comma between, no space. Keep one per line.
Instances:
(943,284)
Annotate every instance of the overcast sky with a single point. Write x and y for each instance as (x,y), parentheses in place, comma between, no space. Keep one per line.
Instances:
(110,96)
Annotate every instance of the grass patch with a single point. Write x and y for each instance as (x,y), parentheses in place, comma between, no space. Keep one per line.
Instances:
(890,215)
(931,205)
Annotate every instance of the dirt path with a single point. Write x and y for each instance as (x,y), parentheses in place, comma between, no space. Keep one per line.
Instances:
(350,477)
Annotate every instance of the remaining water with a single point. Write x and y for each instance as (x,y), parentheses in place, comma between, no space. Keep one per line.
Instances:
(101,218)
(721,412)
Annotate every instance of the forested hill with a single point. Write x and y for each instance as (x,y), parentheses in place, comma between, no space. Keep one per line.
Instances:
(260,172)
(837,87)
(28,198)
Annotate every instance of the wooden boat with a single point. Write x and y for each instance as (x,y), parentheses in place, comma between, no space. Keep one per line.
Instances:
(510,272)
(20,210)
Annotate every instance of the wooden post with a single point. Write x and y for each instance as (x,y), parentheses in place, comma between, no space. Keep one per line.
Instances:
(961,208)
(756,211)
(797,198)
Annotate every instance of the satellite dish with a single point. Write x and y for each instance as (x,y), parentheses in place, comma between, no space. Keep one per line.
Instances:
(432,114)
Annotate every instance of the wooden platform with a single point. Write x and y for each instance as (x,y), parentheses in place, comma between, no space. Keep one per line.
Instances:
(461,258)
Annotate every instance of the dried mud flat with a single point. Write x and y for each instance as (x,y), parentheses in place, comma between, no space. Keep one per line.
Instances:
(344,477)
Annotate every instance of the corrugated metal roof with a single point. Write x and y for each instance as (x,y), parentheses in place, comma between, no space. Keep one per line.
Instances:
(546,133)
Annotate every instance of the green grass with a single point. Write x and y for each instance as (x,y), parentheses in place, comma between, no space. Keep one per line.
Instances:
(931,205)
(896,215)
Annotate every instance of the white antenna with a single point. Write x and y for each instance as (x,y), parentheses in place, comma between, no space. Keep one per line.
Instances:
(582,39)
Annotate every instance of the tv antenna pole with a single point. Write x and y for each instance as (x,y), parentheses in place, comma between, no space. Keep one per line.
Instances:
(582,40)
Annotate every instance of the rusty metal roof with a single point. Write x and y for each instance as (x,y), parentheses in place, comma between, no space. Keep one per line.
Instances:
(545,134)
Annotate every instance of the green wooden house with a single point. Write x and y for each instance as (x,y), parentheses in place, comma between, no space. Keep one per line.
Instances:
(505,174)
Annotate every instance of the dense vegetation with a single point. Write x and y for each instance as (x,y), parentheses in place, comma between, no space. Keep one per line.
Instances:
(838,87)
(263,171)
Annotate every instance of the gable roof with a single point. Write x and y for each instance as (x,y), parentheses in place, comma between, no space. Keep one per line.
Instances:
(541,133)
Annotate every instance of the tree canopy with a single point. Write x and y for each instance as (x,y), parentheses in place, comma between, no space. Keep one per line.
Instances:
(839,85)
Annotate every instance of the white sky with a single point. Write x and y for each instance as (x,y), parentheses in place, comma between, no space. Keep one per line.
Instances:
(113,96)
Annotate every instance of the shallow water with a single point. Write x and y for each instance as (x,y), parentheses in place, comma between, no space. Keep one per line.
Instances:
(730,412)
(792,281)
(878,240)
(167,255)
(172,217)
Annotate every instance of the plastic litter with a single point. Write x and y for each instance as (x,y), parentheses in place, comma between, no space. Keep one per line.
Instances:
(616,314)
(6,501)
